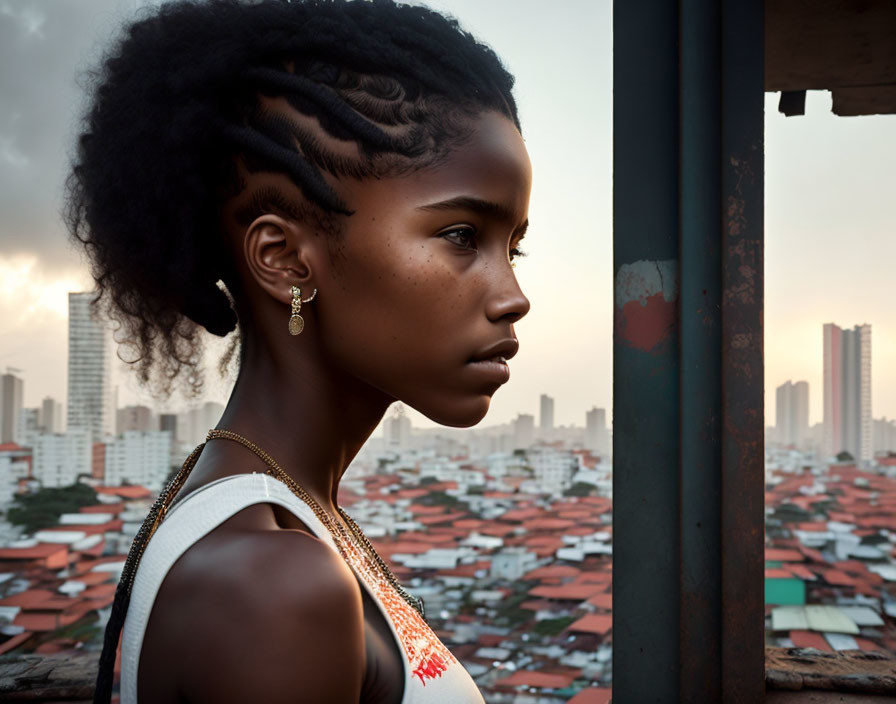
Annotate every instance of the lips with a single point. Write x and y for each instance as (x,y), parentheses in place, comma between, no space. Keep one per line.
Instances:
(499,351)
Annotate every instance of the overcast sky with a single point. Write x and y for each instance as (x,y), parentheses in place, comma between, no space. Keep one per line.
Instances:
(830,224)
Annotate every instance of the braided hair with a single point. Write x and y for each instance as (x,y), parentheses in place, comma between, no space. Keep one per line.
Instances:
(200,93)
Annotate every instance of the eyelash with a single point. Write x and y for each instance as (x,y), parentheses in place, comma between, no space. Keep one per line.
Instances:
(471,234)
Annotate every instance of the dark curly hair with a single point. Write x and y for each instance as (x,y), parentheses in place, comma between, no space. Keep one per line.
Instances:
(192,98)
(195,96)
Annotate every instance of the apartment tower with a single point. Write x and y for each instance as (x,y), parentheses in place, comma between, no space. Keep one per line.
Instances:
(792,413)
(847,391)
(89,369)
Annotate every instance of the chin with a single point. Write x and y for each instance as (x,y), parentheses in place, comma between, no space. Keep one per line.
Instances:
(457,413)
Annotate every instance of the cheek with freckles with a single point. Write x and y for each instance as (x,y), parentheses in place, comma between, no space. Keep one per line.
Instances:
(394,306)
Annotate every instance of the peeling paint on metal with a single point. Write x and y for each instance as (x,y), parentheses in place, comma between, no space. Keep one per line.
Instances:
(646,302)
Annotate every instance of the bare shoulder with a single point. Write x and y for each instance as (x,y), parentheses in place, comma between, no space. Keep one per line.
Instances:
(280,612)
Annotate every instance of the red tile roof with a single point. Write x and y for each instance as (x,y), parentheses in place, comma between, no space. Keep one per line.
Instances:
(15,641)
(778,555)
(593,623)
(28,599)
(531,678)
(40,550)
(552,571)
(810,639)
(126,492)
(602,601)
(577,592)
(592,695)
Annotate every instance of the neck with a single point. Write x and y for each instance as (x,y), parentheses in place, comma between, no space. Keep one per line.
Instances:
(305,413)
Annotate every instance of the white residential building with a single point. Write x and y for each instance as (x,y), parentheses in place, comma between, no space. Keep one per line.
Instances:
(512,563)
(137,458)
(29,426)
(60,457)
(553,469)
(13,467)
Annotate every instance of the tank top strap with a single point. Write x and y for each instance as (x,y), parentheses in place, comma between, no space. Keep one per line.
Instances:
(188,521)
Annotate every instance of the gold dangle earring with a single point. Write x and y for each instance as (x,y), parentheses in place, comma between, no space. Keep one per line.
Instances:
(296,322)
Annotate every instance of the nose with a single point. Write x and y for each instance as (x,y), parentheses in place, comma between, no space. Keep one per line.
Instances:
(507,301)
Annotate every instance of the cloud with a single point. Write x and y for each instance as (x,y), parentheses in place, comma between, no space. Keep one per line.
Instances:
(30,297)
(44,48)
(29,17)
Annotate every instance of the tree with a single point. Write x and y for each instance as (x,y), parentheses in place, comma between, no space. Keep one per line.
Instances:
(43,508)
(580,489)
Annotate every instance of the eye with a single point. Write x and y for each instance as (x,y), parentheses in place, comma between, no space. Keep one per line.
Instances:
(514,253)
(463,237)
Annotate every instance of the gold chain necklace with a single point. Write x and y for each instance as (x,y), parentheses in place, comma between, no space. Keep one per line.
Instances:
(428,656)
(344,542)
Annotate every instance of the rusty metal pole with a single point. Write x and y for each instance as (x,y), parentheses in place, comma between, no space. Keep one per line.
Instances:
(645,353)
(700,314)
(743,471)
(688,371)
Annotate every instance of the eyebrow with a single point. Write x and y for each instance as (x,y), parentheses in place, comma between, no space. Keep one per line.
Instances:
(478,205)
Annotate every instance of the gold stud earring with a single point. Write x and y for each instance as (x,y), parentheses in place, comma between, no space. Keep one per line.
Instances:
(296,322)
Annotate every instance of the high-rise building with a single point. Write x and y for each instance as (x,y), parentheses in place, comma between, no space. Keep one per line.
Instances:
(792,413)
(168,423)
(89,367)
(397,429)
(29,427)
(139,418)
(596,436)
(884,435)
(193,425)
(847,391)
(50,418)
(523,431)
(11,393)
(546,419)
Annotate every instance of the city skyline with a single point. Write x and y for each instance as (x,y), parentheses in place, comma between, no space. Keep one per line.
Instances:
(828,249)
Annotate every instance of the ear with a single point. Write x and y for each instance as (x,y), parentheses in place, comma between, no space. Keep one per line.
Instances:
(281,253)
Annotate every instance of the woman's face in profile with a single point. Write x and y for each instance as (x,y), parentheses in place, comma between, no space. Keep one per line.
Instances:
(424,282)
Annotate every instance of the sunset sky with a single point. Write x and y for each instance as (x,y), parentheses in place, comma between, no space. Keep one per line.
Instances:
(830,223)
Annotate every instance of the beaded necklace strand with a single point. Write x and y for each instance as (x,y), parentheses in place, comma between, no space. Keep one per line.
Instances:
(429,657)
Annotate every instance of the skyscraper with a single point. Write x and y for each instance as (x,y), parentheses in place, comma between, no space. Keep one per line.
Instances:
(51,415)
(11,391)
(523,431)
(397,429)
(847,391)
(546,419)
(596,436)
(89,367)
(792,413)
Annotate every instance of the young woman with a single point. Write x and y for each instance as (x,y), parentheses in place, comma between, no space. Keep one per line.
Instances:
(345,184)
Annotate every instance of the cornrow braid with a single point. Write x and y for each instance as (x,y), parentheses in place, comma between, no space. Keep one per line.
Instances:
(196,94)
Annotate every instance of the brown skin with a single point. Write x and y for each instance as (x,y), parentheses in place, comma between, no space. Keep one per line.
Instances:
(398,315)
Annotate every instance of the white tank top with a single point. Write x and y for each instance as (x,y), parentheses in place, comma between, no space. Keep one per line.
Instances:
(207,507)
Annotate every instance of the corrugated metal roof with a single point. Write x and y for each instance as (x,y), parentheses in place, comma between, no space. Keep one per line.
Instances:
(813,617)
